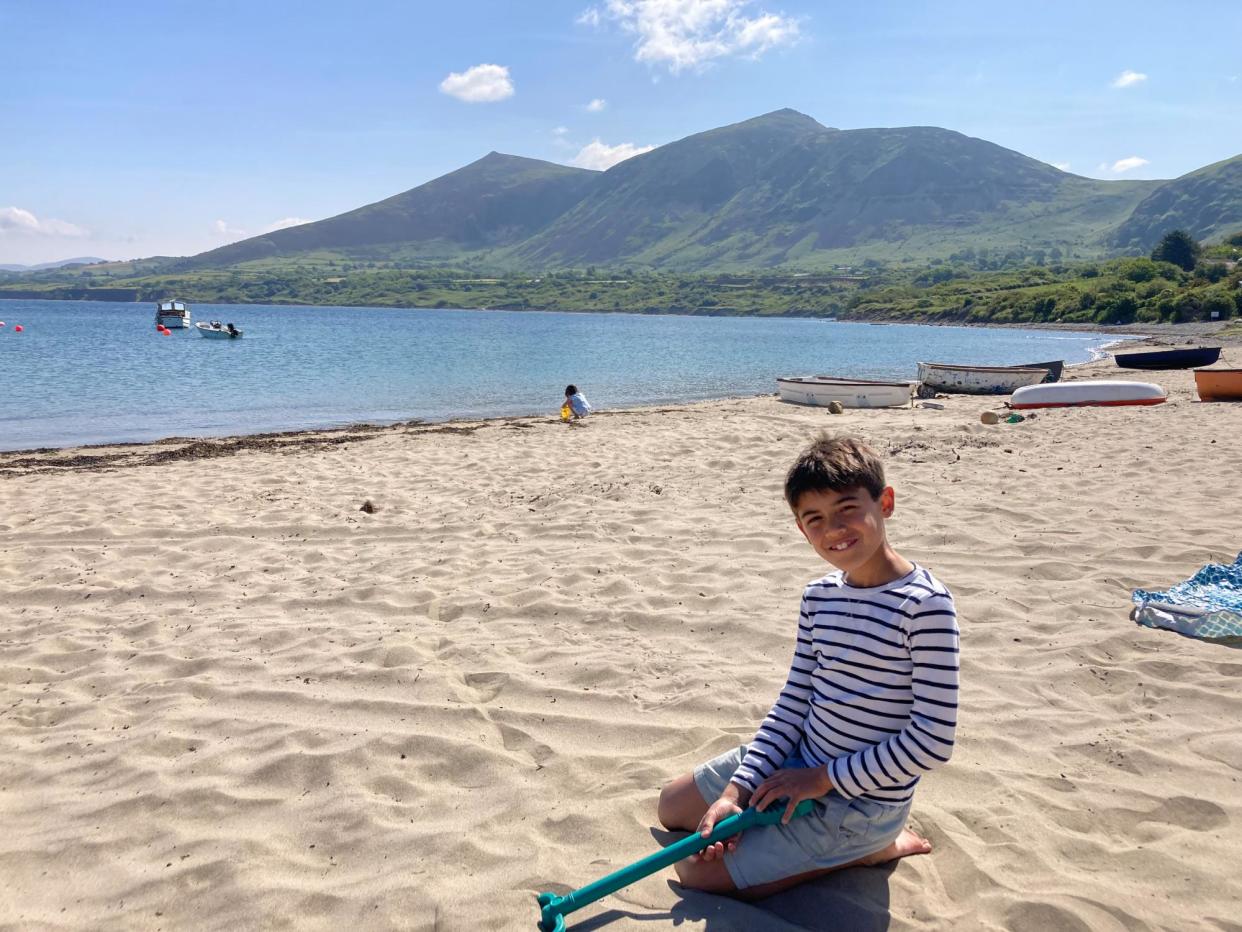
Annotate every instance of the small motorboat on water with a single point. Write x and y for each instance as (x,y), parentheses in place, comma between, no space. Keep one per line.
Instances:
(822,390)
(981,380)
(175,315)
(1169,359)
(218,331)
(1219,384)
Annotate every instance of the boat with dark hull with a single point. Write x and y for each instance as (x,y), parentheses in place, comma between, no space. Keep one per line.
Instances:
(1054,368)
(1169,359)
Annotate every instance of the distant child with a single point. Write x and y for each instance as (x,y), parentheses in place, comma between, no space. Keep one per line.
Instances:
(576,404)
(869,706)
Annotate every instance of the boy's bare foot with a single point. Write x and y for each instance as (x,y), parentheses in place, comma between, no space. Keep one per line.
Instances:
(907,843)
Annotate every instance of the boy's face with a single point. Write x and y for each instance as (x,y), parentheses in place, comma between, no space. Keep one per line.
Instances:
(845,527)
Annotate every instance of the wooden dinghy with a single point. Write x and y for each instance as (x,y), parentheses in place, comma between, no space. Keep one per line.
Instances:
(1088,393)
(822,390)
(979,380)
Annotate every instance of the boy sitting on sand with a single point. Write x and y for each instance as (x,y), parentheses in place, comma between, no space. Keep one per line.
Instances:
(869,706)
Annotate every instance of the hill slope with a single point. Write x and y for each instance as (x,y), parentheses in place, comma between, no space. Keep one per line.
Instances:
(781,187)
(1206,203)
(496,201)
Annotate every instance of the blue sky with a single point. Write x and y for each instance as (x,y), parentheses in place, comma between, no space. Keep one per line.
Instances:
(141,128)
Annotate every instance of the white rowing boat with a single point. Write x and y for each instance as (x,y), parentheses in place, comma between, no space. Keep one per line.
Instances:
(822,390)
(978,380)
(1088,393)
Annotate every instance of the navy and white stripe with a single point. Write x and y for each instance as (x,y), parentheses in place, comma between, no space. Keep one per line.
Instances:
(872,690)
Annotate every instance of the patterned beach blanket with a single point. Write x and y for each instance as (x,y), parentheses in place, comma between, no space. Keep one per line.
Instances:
(1207,606)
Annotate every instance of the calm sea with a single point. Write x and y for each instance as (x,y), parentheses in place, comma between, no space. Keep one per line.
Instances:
(90,372)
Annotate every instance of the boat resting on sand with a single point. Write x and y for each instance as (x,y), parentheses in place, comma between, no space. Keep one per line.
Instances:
(822,390)
(1169,359)
(1088,393)
(979,380)
(218,331)
(1054,368)
(1219,384)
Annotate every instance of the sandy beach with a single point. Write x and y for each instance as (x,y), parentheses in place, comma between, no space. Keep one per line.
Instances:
(232,699)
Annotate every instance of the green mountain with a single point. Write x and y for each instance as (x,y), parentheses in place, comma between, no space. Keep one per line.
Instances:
(1207,203)
(777,190)
(782,188)
(497,201)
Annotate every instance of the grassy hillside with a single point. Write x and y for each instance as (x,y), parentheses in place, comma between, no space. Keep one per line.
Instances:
(497,201)
(976,286)
(782,189)
(1207,203)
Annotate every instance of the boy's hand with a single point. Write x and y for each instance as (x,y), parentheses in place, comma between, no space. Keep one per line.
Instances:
(797,783)
(721,809)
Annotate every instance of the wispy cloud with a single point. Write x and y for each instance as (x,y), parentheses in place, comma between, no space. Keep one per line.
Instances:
(686,35)
(482,84)
(221,228)
(1124,165)
(18,222)
(560,130)
(1129,78)
(1063,166)
(285,224)
(600,155)
(596,105)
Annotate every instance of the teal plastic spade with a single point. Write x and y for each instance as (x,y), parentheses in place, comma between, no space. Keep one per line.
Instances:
(553,908)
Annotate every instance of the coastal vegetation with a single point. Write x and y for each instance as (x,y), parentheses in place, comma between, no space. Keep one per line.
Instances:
(973,285)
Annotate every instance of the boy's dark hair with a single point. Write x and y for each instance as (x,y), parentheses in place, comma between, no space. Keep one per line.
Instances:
(834,464)
(571,389)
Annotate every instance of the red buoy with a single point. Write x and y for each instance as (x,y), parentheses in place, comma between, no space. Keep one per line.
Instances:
(18,329)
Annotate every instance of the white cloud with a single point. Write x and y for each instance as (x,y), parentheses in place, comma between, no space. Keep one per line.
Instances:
(596,105)
(1063,166)
(600,155)
(1125,165)
(285,224)
(560,130)
(17,221)
(482,84)
(588,17)
(221,228)
(1129,78)
(688,34)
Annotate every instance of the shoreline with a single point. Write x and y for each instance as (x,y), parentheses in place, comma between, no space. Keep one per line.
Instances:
(1098,351)
(113,454)
(1194,328)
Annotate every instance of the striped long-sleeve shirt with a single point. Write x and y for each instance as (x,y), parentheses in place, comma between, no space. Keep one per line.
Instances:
(872,690)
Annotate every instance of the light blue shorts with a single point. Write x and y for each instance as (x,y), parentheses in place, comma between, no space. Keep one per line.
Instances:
(837,831)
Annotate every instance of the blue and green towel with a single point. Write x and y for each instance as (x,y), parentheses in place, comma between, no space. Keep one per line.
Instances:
(1208,606)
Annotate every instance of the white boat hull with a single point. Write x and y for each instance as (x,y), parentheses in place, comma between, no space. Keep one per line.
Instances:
(1088,393)
(216,333)
(978,380)
(174,322)
(822,391)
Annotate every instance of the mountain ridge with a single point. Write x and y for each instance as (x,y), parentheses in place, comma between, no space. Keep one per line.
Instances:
(779,189)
